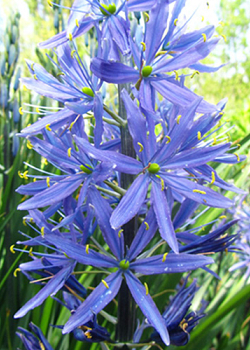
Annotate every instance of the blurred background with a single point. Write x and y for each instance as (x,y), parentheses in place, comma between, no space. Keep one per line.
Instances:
(25,23)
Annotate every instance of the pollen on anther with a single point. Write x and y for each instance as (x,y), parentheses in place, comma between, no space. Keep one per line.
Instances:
(146,287)
(29,144)
(199,135)
(87,248)
(77,23)
(70,36)
(199,191)
(175,21)
(164,257)
(21,110)
(196,72)
(141,146)
(162,185)
(224,37)
(119,232)
(222,217)
(213,177)
(72,53)
(42,231)
(30,251)
(176,74)
(168,139)
(69,152)
(16,271)
(50,3)
(178,119)
(143,46)
(25,175)
(105,284)
(238,157)
(24,222)
(147,225)
(48,181)
(12,249)
(48,127)
(35,77)
(204,37)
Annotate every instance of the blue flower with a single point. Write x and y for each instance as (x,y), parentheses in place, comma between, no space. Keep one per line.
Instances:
(125,263)
(32,342)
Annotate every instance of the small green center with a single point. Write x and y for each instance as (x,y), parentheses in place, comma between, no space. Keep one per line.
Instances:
(146,71)
(88,91)
(124,264)
(154,168)
(110,8)
(85,169)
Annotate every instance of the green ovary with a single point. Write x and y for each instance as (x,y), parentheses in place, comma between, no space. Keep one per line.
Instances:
(88,91)
(85,169)
(124,264)
(146,71)
(154,168)
(110,8)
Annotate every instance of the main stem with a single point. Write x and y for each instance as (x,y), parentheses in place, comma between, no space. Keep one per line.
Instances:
(126,305)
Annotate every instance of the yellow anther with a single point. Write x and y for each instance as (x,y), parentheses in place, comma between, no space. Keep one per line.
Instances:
(229,136)
(48,127)
(202,18)
(72,53)
(66,255)
(32,220)
(21,110)
(178,119)
(25,88)
(119,232)
(29,144)
(221,113)
(42,231)
(176,74)
(49,3)
(77,23)
(146,287)
(213,177)
(16,271)
(164,257)
(221,23)
(222,217)
(105,284)
(214,141)
(224,37)
(24,222)
(141,146)
(146,16)
(32,66)
(199,191)
(204,37)
(20,174)
(238,157)
(30,251)
(162,185)
(70,36)
(238,145)
(199,135)
(143,46)
(48,181)
(25,175)
(69,152)
(159,53)
(60,219)
(88,334)
(37,110)
(147,225)
(85,328)
(35,77)
(12,249)
(226,251)
(175,21)
(71,126)
(87,249)
(168,139)
(45,161)
(196,72)
(34,180)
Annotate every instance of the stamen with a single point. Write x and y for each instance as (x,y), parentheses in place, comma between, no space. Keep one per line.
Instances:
(238,157)
(42,231)
(77,23)
(37,110)
(15,272)
(48,181)
(70,37)
(143,46)
(29,144)
(147,16)
(24,222)
(25,175)
(202,18)
(72,53)
(141,146)
(69,152)
(30,252)
(176,75)
(162,184)
(12,249)
(199,191)
(48,127)
(168,139)
(49,3)
(20,174)
(175,21)
(224,37)
(164,257)
(204,37)
(213,177)
(119,232)
(35,77)
(87,248)
(196,72)
(21,110)
(147,225)
(146,287)
(88,335)
(222,217)
(178,119)
(199,135)
(105,284)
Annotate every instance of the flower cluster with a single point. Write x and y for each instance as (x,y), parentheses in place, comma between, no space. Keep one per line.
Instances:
(131,164)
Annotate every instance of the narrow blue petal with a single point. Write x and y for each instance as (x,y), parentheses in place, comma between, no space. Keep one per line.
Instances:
(95,302)
(187,208)
(131,203)
(163,216)
(147,306)
(98,113)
